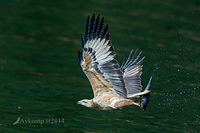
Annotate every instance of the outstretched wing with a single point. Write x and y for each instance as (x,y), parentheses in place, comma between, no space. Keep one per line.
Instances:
(97,59)
(132,70)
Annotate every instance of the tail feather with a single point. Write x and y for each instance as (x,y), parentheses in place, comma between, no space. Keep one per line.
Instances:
(145,97)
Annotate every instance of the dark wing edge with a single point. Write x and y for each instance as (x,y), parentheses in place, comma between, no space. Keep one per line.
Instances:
(97,44)
(132,71)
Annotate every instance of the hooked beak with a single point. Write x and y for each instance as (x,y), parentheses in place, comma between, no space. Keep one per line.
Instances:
(79,102)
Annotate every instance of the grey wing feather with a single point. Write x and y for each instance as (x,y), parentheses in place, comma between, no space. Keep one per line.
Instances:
(98,45)
(132,70)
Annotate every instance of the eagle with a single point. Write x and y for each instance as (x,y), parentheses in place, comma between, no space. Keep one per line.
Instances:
(114,86)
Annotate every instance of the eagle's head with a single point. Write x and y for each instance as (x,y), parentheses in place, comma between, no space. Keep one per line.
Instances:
(86,102)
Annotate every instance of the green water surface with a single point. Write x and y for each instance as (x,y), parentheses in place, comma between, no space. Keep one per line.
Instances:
(41,79)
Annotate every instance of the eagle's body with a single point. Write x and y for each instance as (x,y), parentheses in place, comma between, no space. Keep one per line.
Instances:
(113,86)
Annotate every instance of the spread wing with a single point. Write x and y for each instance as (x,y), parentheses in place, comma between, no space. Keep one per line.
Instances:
(132,70)
(97,59)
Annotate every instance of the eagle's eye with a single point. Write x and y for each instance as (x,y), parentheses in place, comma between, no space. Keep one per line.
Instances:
(84,101)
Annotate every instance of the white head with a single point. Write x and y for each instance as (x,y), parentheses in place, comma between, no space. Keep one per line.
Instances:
(86,102)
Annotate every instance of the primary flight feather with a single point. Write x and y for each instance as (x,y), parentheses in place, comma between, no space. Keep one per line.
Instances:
(113,86)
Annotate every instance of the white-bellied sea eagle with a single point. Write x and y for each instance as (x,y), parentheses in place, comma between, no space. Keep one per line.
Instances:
(113,86)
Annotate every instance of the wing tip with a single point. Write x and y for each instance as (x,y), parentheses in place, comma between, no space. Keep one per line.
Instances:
(82,40)
(129,64)
(96,29)
(80,57)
